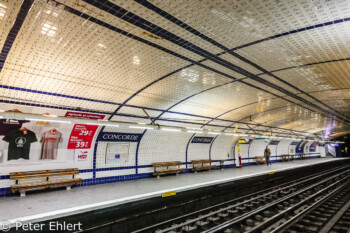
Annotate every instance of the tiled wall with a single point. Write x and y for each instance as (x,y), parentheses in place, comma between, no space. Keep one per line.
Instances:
(162,146)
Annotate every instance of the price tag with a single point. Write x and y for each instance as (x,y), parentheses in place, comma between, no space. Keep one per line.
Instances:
(81,136)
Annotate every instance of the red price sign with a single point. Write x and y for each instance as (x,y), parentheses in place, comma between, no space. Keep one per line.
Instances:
(81,136)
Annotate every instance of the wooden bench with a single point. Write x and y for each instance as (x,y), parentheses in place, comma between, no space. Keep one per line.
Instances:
(287,157)
(260,160)
(22,188)
(167,170)
(302,156)
(202,165)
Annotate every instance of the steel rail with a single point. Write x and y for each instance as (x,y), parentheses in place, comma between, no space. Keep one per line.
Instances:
(237,220)
(304,212)
(290,184)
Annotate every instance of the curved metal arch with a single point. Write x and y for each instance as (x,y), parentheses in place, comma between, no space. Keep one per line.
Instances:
(190,29)
(211,88)
(142,23)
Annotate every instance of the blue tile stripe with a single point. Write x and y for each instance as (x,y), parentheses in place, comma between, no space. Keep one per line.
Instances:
(185,26)
(126,115)
(6,177)
(78,13)
(188,144)
(137,152)
(11,37)
(211,144)
(113,179)
(55,94)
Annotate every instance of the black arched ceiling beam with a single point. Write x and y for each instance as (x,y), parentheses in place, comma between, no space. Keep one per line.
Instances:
(136,20)
(122,32)
(17,25)
(249,117)
(26,102)
(224,84)
(94,20)
(277,119)
(190,29)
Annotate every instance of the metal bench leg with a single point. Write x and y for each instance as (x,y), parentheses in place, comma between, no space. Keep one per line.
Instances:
(177,173)
(22,193)
(68,187)
(157,176)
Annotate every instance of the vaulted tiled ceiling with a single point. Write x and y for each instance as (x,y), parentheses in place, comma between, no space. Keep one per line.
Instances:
(276,65)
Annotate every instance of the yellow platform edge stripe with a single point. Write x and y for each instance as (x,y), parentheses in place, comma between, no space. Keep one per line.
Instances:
(168,194)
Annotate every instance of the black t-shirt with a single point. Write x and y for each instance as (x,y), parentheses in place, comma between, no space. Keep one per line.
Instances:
(7,125)
(19,143)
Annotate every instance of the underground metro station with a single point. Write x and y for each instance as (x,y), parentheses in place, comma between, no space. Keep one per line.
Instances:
(121,116)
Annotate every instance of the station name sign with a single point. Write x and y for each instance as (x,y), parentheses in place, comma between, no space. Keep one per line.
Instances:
(119,137)
(274,143)
(207,140)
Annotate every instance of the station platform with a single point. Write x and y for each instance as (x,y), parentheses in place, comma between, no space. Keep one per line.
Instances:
(44,206)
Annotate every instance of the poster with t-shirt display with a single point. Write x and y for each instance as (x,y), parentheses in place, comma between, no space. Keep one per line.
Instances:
(7,125)
(30,144)
(50,140)
(19,143)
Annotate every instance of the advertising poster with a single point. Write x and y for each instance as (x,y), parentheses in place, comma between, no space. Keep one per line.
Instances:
(117,152)
(82,155)
(85,115)
(299,149)
(313,147)
(81,136)
(30,144)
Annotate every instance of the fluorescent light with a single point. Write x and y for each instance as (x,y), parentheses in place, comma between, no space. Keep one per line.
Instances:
(50,115)
(174,130)
(192,131)
(1,117)
(214,133)
(140,127)
(194,128)
(33,119)
(101,124)
(243,135)
(230,134)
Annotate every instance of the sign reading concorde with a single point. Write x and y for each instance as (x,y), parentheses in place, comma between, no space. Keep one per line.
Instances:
(119,137)
(202,140)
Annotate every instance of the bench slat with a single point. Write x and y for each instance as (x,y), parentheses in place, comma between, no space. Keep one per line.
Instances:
(23,177)
(46,184)
(170,170)
(166,164)
(43,173)
(204,167)
(202,161)
(260,159)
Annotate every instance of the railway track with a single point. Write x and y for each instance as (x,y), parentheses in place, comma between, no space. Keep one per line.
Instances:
(264,211)
(329,214)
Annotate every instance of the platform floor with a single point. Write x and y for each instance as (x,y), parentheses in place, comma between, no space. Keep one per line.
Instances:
(53,204)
